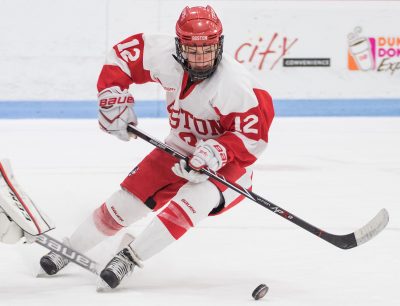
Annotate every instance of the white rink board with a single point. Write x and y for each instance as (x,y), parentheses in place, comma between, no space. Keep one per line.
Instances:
(46,54)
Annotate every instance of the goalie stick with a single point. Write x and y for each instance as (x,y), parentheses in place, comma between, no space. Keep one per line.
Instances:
(354,239)
(67,252)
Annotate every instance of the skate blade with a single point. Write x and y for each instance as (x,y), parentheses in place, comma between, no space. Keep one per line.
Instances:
(102,286)
(41,273)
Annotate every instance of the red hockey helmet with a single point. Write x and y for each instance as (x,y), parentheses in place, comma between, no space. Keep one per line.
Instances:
(198,27)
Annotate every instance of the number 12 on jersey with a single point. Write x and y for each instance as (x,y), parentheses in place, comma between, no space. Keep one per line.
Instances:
(127,55)
(247,125)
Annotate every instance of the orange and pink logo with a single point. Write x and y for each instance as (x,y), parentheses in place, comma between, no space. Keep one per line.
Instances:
(373,53)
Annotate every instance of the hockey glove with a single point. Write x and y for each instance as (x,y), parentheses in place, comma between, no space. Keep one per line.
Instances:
(209,153)
(180,169)
(116,112)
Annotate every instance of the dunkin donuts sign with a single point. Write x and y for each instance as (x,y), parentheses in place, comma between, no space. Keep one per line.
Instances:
(381,54)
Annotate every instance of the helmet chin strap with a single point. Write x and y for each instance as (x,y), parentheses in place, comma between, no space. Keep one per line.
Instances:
(196,75)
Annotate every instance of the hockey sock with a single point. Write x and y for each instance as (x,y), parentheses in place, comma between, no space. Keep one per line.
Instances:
(191,204)
(120,210)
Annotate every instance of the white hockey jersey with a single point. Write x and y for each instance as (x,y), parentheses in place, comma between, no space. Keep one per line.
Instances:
(229,107)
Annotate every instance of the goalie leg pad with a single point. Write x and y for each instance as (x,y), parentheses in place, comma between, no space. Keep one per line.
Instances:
(18,206)
(10,232)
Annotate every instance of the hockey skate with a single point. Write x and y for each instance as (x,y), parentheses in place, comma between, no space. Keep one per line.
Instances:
(51,263)
(120,266)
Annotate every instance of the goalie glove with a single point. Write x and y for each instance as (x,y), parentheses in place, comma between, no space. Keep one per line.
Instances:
(116,112)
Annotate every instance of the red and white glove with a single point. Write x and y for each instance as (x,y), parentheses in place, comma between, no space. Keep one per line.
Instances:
(209,154)
(180,169)
(116,112)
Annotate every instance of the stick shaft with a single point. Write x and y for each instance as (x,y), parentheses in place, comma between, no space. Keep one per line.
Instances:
(342,241)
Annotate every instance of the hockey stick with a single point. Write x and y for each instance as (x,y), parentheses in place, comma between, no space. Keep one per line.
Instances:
(360,236)
(67,252)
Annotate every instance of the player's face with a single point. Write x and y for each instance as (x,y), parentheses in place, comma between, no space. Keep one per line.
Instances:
(200,58)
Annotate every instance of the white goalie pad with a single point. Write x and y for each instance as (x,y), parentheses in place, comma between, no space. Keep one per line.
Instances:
(18,206)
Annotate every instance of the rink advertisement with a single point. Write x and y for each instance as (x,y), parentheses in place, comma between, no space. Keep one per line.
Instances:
(380,54)
(273,49)
(298,49)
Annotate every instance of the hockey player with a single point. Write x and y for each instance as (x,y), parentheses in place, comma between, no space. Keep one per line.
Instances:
(219,117)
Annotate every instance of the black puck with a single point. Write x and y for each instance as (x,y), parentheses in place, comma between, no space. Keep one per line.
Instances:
(260,291)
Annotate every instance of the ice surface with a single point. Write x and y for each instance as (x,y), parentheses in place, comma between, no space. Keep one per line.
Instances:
(335,173)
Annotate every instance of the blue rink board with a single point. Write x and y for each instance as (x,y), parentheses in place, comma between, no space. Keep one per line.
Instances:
(156,109)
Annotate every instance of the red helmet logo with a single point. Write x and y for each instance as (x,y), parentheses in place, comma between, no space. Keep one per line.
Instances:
(198,26)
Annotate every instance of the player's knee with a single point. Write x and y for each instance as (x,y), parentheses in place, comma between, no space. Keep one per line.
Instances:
(120,210)
(126,208)
(191,204)
(197,200)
